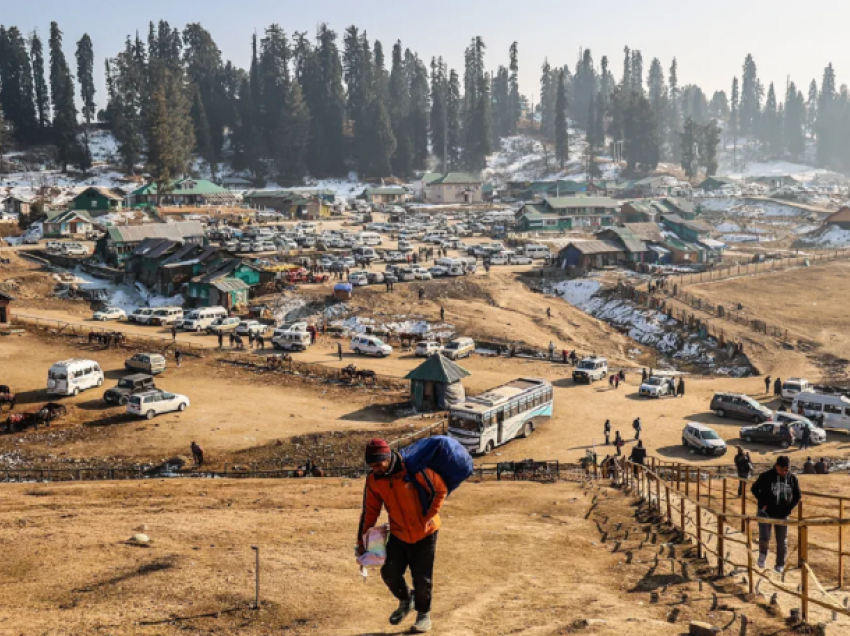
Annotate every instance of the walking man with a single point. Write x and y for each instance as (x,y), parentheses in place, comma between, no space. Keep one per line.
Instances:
(778,493)
(638,427)
(549,312)
(616,380)
(173,333)
(442,314)
(680,390)
(619,443)
(743,466)
(767,385)
(178,356)
(551,351)
(220,340)
(413,531)
(197,454)
(607,432)
(805,437)
(777,388)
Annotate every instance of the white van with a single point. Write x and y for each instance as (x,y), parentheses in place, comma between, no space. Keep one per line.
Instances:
(292,341)
(200,319)
(792,386)
(363,253)
(369,238)
(165,316)
(69,377)
(537,252)
(835,409)
(75,249)
(300,327)
(370,345)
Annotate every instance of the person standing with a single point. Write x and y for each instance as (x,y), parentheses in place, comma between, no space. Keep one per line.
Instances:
(250,339)
(173,333)
(637,456)
(564,356)
(421,293)
(607,432)
(413,531)
(680,390)
(778,493)
(220,340)
(551,351)
(777,388)
(261,342)
(638,427)
(232,338)
(197,454)
(767,385)
(549,312)
(743,466)
(805,437)
(619,443)
(339,350)
(643,375)
(178,356)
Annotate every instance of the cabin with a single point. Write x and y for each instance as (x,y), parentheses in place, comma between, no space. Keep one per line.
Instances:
(436,384)
(68,223)
(97,201)
(385,195)
(455,187)
(119,242)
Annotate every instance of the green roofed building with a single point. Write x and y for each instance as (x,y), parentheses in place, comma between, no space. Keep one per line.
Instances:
(455,187)
(436,383)
(183,192)
(567,213)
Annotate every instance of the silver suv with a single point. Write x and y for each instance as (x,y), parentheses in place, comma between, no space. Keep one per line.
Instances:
(591,369)
(703,439)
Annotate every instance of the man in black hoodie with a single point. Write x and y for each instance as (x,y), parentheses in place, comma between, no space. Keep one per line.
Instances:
(778,493)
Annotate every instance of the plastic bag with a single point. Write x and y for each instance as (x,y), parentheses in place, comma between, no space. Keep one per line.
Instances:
(375,541)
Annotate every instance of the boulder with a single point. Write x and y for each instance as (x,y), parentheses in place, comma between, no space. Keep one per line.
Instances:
(698,628)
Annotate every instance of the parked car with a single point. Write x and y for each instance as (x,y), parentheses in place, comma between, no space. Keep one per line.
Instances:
(427,348)
(769,433)
(150,363)
(459,348)
(224,325)
(155,403)
(110,313)
(375,278)
(358,279)
(591,369)
(128,386)
(165,316)
(141,315)
(421,273)
(370,345)
(656,386)
(438,271)
(797,423)
(521,260)
(703,439)
(793,386)
(739,406)
(69,377)
(247,327)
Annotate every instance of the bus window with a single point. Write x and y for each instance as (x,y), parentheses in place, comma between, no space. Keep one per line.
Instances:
(832,408)
(464,424)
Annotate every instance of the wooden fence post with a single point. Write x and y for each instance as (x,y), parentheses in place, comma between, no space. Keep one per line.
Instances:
(658,493)
(721,543)
(709,490)
(841,545)
(800,533)
(682,515)
(750,557)
(699,530)
(803,551)
(743,503)
(699,483)
(688,481)
(669,506)
(724,494)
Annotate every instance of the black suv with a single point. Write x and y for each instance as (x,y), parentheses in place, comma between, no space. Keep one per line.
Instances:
(127,386)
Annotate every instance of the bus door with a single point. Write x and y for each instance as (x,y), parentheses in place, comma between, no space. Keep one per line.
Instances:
(500,418)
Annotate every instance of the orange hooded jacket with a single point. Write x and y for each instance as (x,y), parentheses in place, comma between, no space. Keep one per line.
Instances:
(401,498)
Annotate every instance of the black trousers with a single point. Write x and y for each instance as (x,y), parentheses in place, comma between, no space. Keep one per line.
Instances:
(419,557)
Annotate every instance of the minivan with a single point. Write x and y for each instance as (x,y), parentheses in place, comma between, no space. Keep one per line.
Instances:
(739,406)
(363,253)
(459,348)
(69,377)
(833,409)
(75,249)
(370,345)
(292,341)
(703,439)
(200,319)
(537,251)
(150,363)
(165,316)
(792,386)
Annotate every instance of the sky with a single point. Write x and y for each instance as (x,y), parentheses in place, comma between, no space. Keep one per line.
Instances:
(710,41)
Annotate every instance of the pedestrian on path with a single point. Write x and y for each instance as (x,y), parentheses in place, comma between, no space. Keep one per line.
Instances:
(778,493)
(616,380)
(743,466)
(442,314)
(413,531)
(178,356)
(638,427)
(339,350)
(173,333)
(619,443)
(643,376)
(549,312)
(551,351)
(607,432)
(232,338)
(767,385)
(680,390)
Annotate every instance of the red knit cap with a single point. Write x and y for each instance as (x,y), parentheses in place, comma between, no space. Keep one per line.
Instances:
(377,450)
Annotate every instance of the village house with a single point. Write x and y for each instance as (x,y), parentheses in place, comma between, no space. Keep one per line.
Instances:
(68,223)
(385,195)
(419,185)
(686,230)
(17,205)
(682,207)
(587,255)
(712,184)
(227,283)
(841,218)
(119,242)
(651,234)
(554,189)
(635,250)
(303,205)
(235,183)
(194,192)
(455,187)
(567,213)
(96,201)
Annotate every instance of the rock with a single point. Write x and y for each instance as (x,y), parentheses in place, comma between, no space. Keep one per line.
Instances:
(698,628)
(142,528)
(584,623)
(139,539)
(828,629)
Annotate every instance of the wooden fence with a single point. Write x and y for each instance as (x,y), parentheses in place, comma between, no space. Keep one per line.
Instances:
(713,509)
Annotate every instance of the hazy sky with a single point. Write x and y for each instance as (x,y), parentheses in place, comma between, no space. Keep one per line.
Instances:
(710,40)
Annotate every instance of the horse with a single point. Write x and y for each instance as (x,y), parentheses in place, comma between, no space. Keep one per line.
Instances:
(4,388)
(8,398)
(348,373)
(366,374)
(278,361)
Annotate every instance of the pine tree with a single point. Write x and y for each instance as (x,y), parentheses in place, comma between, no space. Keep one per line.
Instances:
(718,108)
(418,112)
(64,107)
(812,108)
(331,115)
(770,133)
(794,121)
(640,128)
(674,126)
(734,120)
(85,75)
(125,75)
(636,83)
(204,69)
(169,131)
(398,106)
(827,120)
(203,137)
(245,139)
(562,140)
(750,100)
(439,90)
(688,140)
(454,106)
(627,73)
(547,101)
(584,87)
(710,141)
(292,137)
(657,95)
(515,102)
(42,97)
(17,93)
(477,121)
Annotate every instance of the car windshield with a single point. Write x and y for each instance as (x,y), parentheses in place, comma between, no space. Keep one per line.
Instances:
(709,435)
(453,345)
(135,400)
(123,383)
(378,342)
(586,365)
(791,386)
(655,381)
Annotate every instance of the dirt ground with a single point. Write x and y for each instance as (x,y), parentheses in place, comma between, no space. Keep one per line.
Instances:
(513,558)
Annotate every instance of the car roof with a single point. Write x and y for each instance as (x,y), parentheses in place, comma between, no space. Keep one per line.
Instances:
(699,427)
(137,376)
(146,393)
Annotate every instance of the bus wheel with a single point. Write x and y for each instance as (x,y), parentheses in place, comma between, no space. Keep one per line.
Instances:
(528,429)
(489,447)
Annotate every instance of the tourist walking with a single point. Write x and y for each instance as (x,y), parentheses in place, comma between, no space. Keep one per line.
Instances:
(777,388)
(607,432)
(413,531)
(767,385)
(638,427)
(619,443)
(551,351)
(680,390)
(778,493)
(178,356)
(743,466)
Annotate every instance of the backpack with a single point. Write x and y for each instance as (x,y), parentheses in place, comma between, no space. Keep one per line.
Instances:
(445,456)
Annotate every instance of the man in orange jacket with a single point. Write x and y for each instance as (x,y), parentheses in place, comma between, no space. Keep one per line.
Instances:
(413,504)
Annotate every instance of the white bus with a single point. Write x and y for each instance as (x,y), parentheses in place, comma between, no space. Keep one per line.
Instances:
(835,409)
(496,417)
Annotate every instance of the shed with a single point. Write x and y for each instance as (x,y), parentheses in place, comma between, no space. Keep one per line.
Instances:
(342,291)
(5,309)
(437,382)
(591,254)
(840,218)
(97,201)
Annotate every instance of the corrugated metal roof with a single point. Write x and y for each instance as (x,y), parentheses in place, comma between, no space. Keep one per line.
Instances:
(230,284)
(595,247)
(438,368)
(645,231)
(457,178)
(566,203)
(138,233)
(387,190)
(186,186)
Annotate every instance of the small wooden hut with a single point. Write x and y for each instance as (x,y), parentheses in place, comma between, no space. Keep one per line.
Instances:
(436,383)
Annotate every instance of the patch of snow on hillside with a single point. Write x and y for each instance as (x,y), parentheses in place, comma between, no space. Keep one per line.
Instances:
(832,236)
(577,292)
(728,227)
(798,171)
